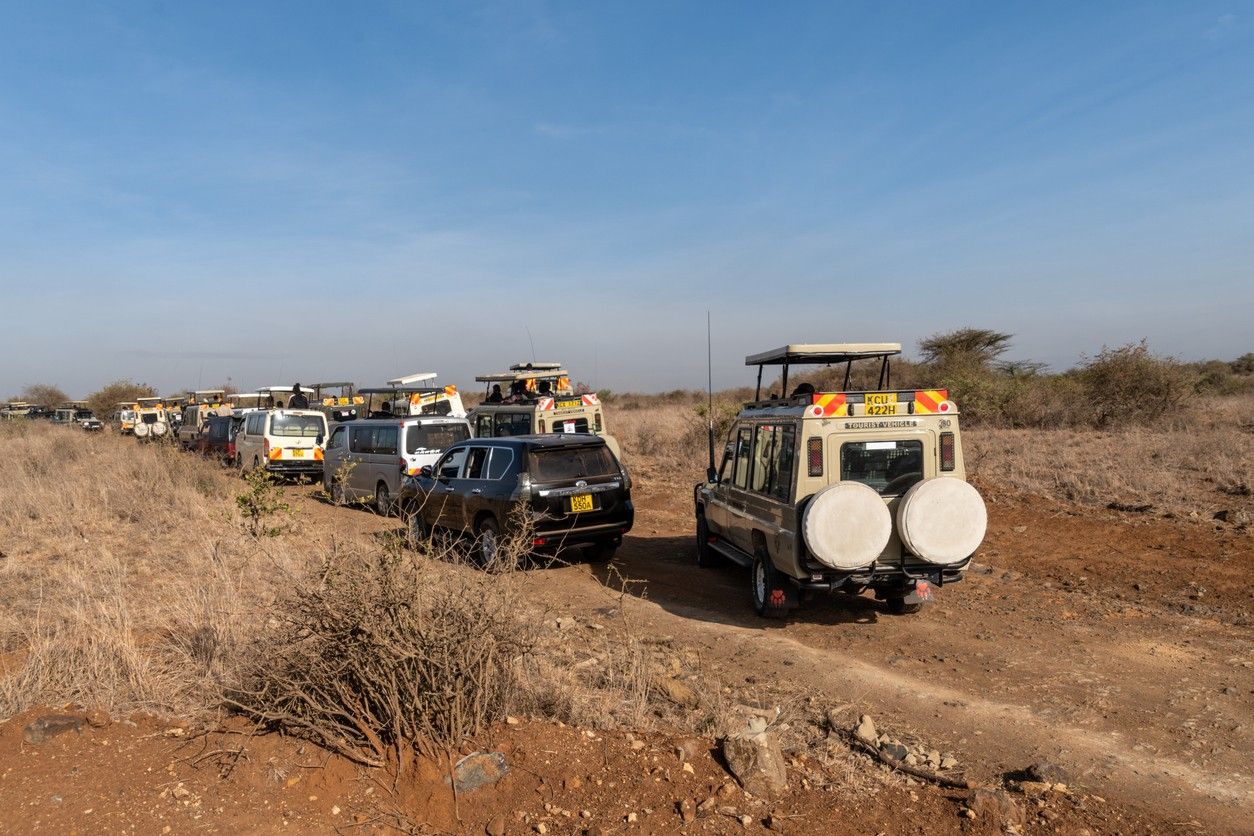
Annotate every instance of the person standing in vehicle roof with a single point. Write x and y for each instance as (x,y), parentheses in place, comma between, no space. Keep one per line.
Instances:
(298,399)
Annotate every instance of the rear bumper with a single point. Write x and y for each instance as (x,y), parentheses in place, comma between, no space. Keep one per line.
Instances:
(295,466)
(556,536)
(885,576)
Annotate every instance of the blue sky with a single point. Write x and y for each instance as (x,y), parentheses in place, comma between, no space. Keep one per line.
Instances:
(269,191)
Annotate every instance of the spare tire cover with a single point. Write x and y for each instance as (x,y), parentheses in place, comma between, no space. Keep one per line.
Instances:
(846,525)
(158,429)
(140,429)
(942,520)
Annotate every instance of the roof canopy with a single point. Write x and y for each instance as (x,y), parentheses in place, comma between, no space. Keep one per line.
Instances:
(401,390)
(410,379)
(332,383)
(822,353)
(535,367)
(541,371)
(280,390)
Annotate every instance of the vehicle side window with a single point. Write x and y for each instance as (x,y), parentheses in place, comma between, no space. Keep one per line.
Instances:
(740,474)
(361,440)
(498,465)
(513,423)
(780,483)
(483,426)
(476,462)
(336,441)
(385,440)
(450,467)
(764,442)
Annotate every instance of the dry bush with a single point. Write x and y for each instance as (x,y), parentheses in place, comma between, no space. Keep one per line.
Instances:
(382,650)
(1128,385)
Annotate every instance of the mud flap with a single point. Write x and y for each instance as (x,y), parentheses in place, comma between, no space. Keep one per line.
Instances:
(921,594)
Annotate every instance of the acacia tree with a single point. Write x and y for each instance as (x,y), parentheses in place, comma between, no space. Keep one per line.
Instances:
(106,400)
(969,347)
(44,394)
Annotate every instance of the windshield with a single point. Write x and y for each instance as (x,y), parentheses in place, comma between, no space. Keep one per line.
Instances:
(572,463)
(297,426)
(890,467)
(434,437)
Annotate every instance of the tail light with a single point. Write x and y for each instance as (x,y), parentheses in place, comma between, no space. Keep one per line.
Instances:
(814,457)
(265,447)
(318,454)
(947,451)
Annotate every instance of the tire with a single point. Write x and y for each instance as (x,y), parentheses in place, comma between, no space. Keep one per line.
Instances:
(487,544)
(382,500)
(898,606)
(602,552)
(338,495)
(238,464)
(419,531)
(773,595)
(706,556)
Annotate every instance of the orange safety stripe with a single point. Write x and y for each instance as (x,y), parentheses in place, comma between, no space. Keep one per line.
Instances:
(831,404)
(928,401)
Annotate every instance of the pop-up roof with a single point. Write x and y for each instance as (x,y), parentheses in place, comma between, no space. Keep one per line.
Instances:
(525,371)
(822,353)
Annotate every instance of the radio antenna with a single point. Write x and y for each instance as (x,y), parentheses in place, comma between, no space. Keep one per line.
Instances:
(532,342)
(709,390)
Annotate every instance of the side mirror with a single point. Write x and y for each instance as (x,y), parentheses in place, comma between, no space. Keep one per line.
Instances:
(425,472)
(319,440)
(711,475)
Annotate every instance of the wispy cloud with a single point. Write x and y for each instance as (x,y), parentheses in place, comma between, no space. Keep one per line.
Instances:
(555,130)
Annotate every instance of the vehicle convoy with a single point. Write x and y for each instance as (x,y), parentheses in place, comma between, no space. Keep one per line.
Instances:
(560,491)
(217,438)
(14,410)
(844,490)
(287,442)
(369,457)
(537,398)
(151,421)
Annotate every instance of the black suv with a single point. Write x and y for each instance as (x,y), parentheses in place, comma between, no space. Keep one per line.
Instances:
(573,488)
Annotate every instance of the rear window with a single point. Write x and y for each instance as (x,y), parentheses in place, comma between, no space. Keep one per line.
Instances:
(573,463)
(570,425)
(890,467)
(433,438)
(297,426)
(513,423)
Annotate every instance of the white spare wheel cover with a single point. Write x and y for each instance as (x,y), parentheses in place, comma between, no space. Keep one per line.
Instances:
(140,429)
(942,520)
(158,429)
(846,525)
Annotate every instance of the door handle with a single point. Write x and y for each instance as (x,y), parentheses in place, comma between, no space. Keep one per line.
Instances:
(448,489)
(477,490)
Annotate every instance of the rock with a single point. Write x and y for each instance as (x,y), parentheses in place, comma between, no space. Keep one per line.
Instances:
(707,805)
(865,731)
(895,750)
(687,810)
(727,790)
(997,807)
(1033,789)
(689,748)
(98,719)
(51,725)
(565,623)
(1047,772)
(746,820)
(912,759)
(756,762)
(688,768)
(479,769)
(677,691)
(934,759)
(495,826)
(632,818)
(949,762)
(637,745)
(540,828)
(511,721)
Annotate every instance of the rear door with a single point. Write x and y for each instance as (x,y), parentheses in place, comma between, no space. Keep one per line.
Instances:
(446,507)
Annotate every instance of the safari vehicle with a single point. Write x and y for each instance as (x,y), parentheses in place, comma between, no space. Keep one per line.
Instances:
(845,490)
(151,421)
(283,441)
(339,400)
(369,457)
(278,397)
(124,417)
(574,488)
(537,398)
(406,395)
(15,409)
(196,411)
(71,413)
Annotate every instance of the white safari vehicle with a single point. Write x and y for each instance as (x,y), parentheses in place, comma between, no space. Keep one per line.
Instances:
(151,421)
(287,442)
(845,489)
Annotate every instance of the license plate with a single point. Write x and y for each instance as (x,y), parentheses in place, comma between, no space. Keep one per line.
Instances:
(881,403)
(581,503)
(297,454)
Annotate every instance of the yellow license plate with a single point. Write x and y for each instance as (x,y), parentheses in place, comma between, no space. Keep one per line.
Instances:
(881,403)
(297,454)
(581,503)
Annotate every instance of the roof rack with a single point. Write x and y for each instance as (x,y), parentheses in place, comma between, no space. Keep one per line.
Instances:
(823,354)
(407,380)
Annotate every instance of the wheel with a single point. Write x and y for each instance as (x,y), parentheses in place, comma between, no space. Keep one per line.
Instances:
(238,464)
(256,463)
(602,552)
(382,500)
(898,606)
(706,556)
(419,531)
(773,595)
(487,543)
(338,495)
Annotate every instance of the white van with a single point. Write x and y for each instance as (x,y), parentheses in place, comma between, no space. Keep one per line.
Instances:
(368,458)
(283,441)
